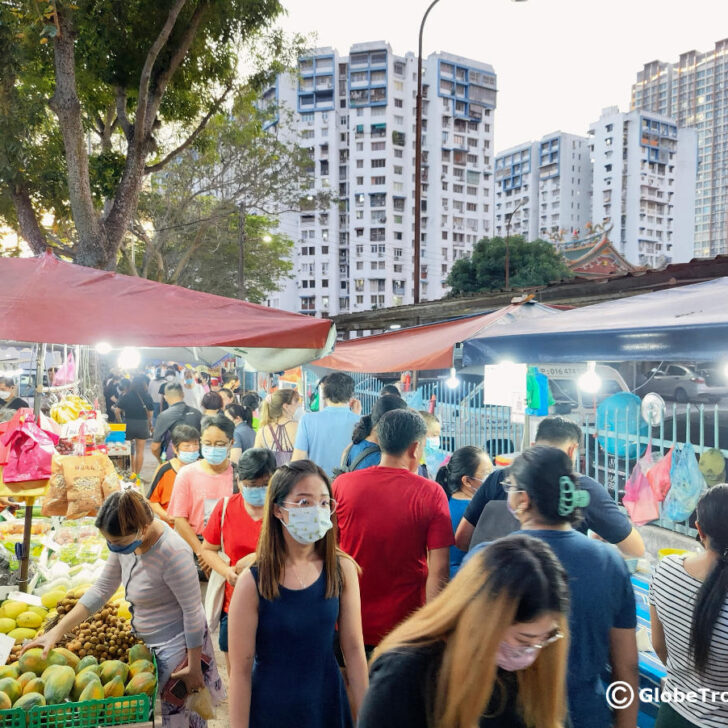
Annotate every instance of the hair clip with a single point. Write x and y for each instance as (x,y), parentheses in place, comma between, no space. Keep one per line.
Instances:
(571,497)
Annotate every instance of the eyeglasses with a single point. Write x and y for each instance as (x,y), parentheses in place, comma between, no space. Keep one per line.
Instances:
(328,503)
(517,651)
(510,486)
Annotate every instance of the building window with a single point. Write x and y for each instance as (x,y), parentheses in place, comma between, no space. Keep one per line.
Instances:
(378,163)
(379,180)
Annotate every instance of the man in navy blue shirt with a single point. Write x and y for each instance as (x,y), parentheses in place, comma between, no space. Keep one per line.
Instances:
(602,515)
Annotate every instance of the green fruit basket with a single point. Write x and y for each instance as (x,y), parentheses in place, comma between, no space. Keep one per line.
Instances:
(91,713)
(14,718)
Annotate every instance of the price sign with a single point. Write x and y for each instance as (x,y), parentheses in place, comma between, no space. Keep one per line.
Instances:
(6,644)
(30,599)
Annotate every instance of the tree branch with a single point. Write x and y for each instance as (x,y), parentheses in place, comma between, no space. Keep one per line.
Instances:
(191,138)
(146,74)
(128,259)
(191,250)
(29,227)
(121,116)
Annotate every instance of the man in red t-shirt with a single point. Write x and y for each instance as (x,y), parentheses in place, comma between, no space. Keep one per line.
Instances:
(393,522)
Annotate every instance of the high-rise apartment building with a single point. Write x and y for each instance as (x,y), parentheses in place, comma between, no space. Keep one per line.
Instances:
(694,91)
(548,185)
(644,170)
(356,115)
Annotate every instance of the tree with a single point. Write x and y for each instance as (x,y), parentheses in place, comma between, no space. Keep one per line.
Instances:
(531,264)
(202,221)
(137,81)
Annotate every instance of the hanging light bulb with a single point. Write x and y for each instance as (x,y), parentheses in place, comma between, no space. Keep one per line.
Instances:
(103,348)
(453,381)
(590,382)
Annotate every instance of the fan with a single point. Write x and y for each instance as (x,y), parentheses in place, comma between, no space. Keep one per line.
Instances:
(652,409)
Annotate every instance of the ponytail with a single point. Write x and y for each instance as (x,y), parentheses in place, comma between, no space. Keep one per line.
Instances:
(271,410)
(386,403)
(362,429)
(443,478)
(712,515)
(124,513)
(465,461)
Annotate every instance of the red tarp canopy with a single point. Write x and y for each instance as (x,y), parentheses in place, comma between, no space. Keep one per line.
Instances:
(44,299)
(422,347)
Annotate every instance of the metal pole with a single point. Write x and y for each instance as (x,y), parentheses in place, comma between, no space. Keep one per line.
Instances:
(241,252)
(418,158)
(508,250)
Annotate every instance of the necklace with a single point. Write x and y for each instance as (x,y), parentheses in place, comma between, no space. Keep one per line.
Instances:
(298,578)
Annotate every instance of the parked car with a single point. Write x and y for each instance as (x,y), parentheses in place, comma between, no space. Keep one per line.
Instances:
(685,383)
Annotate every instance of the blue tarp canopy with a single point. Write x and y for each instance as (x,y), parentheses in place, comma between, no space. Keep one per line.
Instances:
(682,323)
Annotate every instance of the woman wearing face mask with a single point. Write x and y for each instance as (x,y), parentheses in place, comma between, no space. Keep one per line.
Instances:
(433,455)
(284,611)
(157,570)
(460,479)
(200,486)
(364,450)
(543,494)
(186,448)
(239,529)
(279,423)
(244,437)
(490,650)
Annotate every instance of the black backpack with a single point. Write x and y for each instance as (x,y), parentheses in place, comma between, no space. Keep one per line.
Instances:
(344,468)
(183,419)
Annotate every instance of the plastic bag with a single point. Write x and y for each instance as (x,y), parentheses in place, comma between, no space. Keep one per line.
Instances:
(201,703)
(659,476)
(66,373)
(55,501)
(30,452)
(639,500)
(687,485)
(90,479)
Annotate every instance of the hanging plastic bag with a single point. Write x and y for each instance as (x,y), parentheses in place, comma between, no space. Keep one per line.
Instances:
(659,476)
(201,703)
(30,452)
(639,500)
(66,373)
(55,501)
(687,485)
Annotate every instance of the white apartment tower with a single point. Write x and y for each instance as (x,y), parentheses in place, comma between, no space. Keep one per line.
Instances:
(694,92)
(356,115)
(644,170)
(548,184)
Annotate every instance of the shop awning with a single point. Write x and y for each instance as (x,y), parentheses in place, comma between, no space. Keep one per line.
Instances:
(681,323)
(47,300)
(424,347)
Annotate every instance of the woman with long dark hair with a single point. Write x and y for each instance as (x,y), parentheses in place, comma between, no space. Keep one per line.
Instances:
(689,615)
(137,408)
(460,478)
(490,650)
(285,609)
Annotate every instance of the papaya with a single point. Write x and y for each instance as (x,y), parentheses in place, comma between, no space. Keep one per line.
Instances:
(85,662)
(144,682)
(25,678)
(140,652)
(12,671)
(14,609)
(57,658)
(113,668)
(93,691)
(5,703)
(7,625)
(36,685)
(31,700)
(39,610)
(49,671)
(20,634)
(140,666)
(11,688)
(33,661)
(58,684)
(81,681)
(71,659)
(29,619)
(114,688)
(95,669)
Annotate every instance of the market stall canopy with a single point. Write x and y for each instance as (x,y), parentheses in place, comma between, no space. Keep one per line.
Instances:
(424,347)
(682,323)
(44,299)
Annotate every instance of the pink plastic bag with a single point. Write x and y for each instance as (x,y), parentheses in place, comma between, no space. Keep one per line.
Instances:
(66,373)
(639,500)
(30,452)
(659,476)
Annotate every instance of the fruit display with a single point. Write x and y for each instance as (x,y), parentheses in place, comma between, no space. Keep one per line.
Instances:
(21,621)
(64,677)
(69,409)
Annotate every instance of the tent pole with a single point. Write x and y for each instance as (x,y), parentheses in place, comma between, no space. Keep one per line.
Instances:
(25,556)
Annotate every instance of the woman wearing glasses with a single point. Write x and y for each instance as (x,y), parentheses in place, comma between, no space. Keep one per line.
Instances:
(544,496)
(489,650)
(285,609)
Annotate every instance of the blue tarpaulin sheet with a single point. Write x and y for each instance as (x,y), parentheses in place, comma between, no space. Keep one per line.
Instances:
(682,323)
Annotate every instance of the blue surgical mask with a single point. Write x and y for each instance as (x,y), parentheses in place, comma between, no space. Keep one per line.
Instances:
(214,455)
(188,457)
(254,495)
(433,442)
(128,549)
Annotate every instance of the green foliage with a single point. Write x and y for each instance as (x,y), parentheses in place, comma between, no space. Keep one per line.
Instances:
(531,264)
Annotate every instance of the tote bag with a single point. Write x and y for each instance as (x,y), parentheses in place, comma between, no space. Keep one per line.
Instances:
(215,597)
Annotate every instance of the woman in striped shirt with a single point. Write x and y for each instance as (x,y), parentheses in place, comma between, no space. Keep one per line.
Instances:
(689,614)
(156,568)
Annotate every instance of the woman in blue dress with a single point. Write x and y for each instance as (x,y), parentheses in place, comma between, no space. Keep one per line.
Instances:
(460,478)
(285,609)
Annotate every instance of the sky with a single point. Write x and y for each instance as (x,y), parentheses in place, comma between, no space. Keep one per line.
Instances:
(559,62)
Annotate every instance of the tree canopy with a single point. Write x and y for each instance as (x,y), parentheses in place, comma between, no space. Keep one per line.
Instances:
(531,264)
(96,96)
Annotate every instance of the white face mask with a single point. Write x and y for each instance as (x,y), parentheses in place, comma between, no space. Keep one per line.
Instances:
(298,413)
(308,525)
(433,442)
